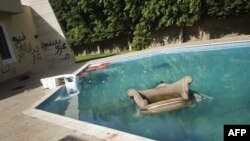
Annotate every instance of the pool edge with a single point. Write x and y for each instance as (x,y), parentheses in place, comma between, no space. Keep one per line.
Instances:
(92,129)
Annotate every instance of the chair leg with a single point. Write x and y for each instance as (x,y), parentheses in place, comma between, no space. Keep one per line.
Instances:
(142,103)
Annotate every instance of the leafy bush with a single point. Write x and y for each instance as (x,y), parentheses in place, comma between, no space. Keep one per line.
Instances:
(93,21)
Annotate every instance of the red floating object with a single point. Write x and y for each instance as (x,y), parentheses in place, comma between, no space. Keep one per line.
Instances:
(98,67)
(91,68)
(84,74)
(103,66)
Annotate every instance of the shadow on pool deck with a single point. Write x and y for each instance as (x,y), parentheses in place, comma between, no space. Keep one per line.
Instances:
(16,96)
(15,86)
(29,81)
(76,138)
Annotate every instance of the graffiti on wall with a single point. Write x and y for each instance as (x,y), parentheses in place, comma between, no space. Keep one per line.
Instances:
(58,45)
(25,48)
(59,49)
(67,56)
(50,43)
(8,69)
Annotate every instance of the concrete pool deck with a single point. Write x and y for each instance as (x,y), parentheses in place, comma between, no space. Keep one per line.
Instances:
(18,125)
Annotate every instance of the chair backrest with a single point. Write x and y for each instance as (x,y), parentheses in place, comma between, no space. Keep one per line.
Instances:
(168,91)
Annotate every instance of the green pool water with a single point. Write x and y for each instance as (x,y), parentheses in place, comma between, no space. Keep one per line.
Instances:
(222,72)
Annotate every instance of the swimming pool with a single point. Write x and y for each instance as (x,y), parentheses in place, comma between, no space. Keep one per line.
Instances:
(220,71)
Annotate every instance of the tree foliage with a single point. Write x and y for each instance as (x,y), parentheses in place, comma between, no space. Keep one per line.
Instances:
(93,21)
(223,8)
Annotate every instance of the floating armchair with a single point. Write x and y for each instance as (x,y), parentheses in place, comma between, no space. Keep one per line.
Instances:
(165,97)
